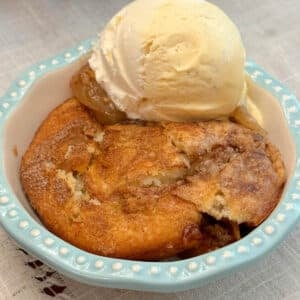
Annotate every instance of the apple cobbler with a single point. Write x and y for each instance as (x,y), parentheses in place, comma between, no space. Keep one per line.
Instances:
(149,190)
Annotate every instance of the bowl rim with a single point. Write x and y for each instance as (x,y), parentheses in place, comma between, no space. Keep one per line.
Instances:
(169,276)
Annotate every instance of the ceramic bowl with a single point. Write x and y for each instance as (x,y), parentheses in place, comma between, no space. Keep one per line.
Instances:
(41,88)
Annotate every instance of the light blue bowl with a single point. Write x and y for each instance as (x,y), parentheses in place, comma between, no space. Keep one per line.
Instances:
(148,276)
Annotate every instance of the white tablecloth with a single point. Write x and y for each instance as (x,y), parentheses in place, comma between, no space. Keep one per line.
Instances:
(33,30)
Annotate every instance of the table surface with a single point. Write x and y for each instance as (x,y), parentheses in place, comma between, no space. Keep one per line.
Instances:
(33,30)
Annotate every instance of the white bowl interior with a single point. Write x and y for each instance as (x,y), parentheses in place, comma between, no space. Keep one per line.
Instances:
(53,88)
(45,94)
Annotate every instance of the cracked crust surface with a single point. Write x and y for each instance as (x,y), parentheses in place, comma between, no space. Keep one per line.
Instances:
(138,190)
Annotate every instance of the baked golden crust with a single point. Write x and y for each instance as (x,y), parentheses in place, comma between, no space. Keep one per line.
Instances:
(138,190)
(55,173)
(237,173)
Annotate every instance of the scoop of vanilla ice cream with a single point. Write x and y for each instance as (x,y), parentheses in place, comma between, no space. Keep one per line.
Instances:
(177,60)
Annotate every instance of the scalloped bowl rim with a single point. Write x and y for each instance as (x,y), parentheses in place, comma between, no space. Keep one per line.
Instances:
(167,276)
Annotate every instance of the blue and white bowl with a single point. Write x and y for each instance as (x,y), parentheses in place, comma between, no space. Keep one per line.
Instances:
(40,89)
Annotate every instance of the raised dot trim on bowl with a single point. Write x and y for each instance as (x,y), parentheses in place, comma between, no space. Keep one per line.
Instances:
(23,224)
(269,229)
(80,48)
(242,249)
(35,232)
(42,67)
(13,94)
(227,254)
(289,206)
(136,268)
(268,81)
(54,61)
(286,97)
(117,266)
(256,241)
(4,200)
(22,83)
(211,260)
(280,217)
(63,250)
(297,123)
(292,109)
(193,266)
(173,270)
(277,88)
(5,105)
(255,74)
(154,270)
(48,241)
(31,73)
(80,259)
(68,55)
(12,213)
(99,264)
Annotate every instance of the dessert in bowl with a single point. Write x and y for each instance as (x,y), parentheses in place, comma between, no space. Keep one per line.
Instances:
(147,189)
